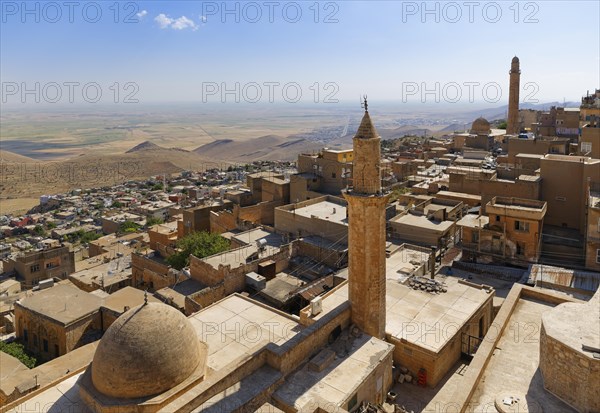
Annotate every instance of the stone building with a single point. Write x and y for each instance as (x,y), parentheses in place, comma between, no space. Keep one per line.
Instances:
(565,181)
(325,216)
(569,345)
(327,172)
(589,122)
(198,218)
(55,321)
(592,239)
(35,266)
(511,231)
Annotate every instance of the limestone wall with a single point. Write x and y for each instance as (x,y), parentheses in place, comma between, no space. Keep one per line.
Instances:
(570,375)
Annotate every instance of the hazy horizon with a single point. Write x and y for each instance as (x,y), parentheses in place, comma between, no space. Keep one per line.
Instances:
(281,52)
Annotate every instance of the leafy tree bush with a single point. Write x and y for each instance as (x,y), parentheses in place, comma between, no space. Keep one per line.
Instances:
(200,244)
(153,221)
(18,351)
(39,230)
(129,226)
(50,225)
(88,236)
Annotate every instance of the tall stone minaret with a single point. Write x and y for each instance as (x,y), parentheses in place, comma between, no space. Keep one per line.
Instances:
(366,232)
(512,127)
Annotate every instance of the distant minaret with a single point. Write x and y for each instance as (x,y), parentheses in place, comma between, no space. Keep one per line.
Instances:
(512,127)
(366,232)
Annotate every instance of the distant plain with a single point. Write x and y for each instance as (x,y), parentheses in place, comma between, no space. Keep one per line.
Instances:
(51,150)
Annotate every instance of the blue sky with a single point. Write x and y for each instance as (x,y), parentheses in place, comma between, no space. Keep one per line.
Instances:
(173,51)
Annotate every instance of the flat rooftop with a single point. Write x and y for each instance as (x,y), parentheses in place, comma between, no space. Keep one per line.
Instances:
(63,303)
(278,289)
(179,291)
(325,210)
(459,195)
(422,222)
(405,261)
(575,325)
(337,381)
(237,326)
(514,366)
(127,296)
(419,317)
(109,273)
(473,221)
(253,235)
(238,256)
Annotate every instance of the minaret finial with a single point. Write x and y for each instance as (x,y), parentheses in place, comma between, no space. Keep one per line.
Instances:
(364,104)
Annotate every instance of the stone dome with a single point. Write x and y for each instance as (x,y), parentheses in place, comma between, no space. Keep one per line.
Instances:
(149,349)
(480,126)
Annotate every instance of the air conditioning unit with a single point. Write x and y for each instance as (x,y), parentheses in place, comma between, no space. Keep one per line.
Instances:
(316,306)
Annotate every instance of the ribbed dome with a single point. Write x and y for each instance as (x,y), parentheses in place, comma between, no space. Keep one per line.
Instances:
(480,126)
(146,351)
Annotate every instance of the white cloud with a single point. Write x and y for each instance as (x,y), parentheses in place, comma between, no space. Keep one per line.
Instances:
(184,23)
(142,14)
(181,23)
(163,21)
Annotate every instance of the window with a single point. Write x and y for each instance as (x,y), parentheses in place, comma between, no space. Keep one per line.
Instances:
(598,224)
(586,147)
(45,344)
(522,226)
(520,248)
(34,268)
(497,218)
(56,350)
(597,256)
(475,236)
(333,175)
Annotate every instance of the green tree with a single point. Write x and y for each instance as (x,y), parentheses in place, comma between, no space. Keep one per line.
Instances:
(502,125)
(18,351)
(396,194)
(157,187)
(200,244)
(153,221)
(117,204)
(129,226)
(88,236)
(50,225)
(39,230)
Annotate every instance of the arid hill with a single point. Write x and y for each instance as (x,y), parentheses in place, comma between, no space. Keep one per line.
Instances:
(144,146)
(269,147)
(6,156)
(20,180)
